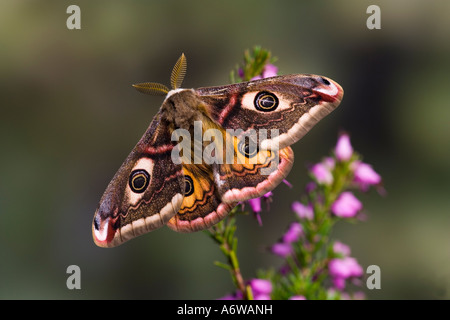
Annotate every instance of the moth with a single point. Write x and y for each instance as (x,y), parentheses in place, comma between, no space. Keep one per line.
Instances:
(161,183)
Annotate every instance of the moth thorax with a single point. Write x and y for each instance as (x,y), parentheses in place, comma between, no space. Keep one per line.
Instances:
(174,91)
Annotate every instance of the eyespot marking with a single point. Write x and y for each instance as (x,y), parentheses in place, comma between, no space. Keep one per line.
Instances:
(266,101)
(139,180)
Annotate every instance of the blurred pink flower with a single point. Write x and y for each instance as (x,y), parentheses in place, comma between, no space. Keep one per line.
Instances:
(229,296)
(364,175)
(261,289)
(269,71)
(344,149)
(302,211)
(342,269)
(255,204)
(339,247)
(322,173)
(345,268)
(329,163)
(294,233)
(241,73)
(339,283)
(282,249)
(346,205)
(310,187)
(297,298)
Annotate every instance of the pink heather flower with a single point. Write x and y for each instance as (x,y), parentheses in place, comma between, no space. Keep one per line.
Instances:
(228,297)
(339,283)
(346,205)
(297,298)
(310,187)
(364,175)
(232,296)
(261,289)
(255,204)
(287,183)
(294,233)
(269,71)
(241,73)
(345,268)
(342,269)
(329,163)
(268,195)
(282,249)
(322,174)
(344,148)
(339,247)
(302,211)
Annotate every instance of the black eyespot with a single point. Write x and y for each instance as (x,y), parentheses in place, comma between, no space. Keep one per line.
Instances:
(188,185)
(325,81)
(139,180)
(247,149)
(266,101)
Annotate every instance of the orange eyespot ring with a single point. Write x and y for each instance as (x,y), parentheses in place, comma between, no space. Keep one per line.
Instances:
(266,101)
(139,180)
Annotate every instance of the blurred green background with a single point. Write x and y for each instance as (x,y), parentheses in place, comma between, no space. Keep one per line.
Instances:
(69,117)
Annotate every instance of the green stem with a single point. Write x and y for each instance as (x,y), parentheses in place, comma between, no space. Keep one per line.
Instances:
(223,234)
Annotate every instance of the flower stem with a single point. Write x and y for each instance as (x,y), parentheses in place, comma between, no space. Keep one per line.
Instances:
(223,233)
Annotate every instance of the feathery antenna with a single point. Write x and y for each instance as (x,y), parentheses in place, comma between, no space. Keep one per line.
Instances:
(176,79)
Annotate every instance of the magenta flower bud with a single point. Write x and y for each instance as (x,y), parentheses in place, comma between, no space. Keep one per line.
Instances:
(261,287)
(345,268)
(241,73)
(339,247)
(365,176)
(329,163)
(297,298)
(310,187)
(346,205)
(269,71)
(282,249)
(344,149)
(294,233)
(339,283)
(258,77)
(255,204)
(322,174)
(302,211)
(228,297)
(287,183)
(268,195)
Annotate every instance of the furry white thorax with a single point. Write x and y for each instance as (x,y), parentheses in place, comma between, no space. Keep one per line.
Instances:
(171,92)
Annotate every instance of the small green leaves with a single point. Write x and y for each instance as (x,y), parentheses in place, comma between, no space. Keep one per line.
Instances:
(253,66)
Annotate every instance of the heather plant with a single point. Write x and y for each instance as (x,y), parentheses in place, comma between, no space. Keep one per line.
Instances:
(314,265)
